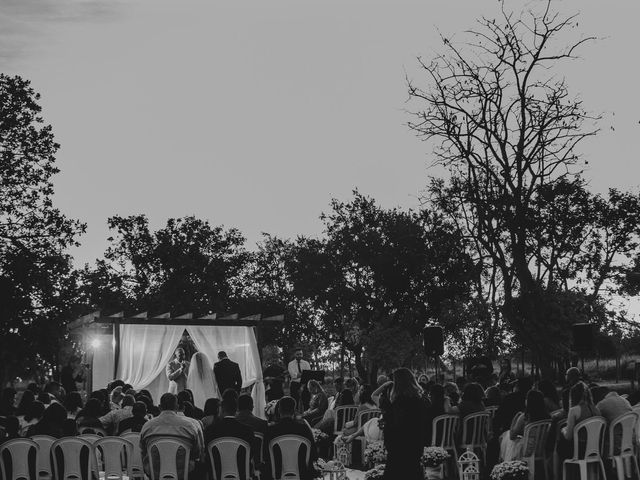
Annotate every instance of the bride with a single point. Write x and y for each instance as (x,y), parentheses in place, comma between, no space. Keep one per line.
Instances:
(201,380)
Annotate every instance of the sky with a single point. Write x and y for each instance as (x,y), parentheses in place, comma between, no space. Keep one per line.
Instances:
(255,113)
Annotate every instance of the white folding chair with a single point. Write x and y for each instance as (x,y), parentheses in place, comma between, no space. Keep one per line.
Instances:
(45,469)
(19,459)
(533,444)
(71,458)
(113,456)
(167,451)
(259,453)
(137,469)
(592,430)
(288,447)
(475,430)
(620,452)
(366,415)
(227,460)
(443,434)
(342,415)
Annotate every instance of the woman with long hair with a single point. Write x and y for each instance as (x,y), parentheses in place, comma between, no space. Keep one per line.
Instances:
(404,418)
(201,380)
(511,446)
(318,404)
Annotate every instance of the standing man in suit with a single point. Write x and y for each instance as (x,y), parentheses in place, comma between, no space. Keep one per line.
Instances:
(227,373)
(295,368)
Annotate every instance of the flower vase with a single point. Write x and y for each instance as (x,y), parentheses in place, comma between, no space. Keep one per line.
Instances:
(434,473)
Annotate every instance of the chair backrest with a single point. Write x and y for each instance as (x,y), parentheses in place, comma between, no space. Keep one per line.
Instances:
(366,415)
(491,410)
(19,459)
(167,450)
(621,433)
(101,432)
(343,415)
(137,469)
(229,458)
(71,458)
(475,428)
(535,438)
(288,447)
(444,431)
(259,445)
(90,437)
(44,454)
(113,456)
(592,430)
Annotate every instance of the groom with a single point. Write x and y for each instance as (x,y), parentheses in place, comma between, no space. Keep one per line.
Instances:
(227,373)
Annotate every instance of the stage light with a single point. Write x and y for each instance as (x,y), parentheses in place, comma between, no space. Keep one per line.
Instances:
(95,343)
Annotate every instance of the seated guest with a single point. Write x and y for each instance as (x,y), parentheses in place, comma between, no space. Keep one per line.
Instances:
(56,390)
(572,377)
(73,404)
(535,410)
(7,402)
(493,396)
(287,425)
(136,421)
(353,385)
(452,392)
(34,415)
(318,404)
(246,417)
(9,428)
(550,393)
(152,410)
(471,402)
(326,424)
(338,385)
(169,423)
(511,405)
(25,401)
(365,403)
(581,407)
(186,396)
(423,381)
(111,420)
(612,405)
(45,398)
(211,410)
(116,398)
(53,423)
(90,414)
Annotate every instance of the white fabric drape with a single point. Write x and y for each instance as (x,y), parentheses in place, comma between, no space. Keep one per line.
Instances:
(240,345)
(145,351)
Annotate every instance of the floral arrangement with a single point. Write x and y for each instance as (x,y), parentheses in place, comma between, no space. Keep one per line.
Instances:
(515,470)
(328,465)
(375,473)
(433,456)
(375,453)
(319,436)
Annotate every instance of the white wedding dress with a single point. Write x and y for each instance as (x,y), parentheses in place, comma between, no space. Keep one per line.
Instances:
(201,380)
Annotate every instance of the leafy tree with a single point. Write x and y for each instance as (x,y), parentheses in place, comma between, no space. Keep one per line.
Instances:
(36,283)
(377,272)
(507,129)
(187,266)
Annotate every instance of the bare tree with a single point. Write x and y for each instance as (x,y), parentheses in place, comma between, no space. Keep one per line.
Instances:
(506,127)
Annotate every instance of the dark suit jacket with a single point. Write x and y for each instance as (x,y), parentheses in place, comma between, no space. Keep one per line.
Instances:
(256,424)
(229,427)
(289,426)
(227,375)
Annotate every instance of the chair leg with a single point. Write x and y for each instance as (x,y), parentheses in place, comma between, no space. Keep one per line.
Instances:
(584,471)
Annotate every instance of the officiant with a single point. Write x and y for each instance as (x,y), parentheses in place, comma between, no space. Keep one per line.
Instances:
(177,371)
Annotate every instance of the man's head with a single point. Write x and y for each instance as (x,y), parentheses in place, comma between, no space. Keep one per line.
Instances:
(286,407)
(179,354)
(382,379)
(222,355)
(168,401)
(139,409)
(229,406)
(524,384)
(298,354)
(338,384)
(128,401)
(116,395)
(245,403)
(572,376)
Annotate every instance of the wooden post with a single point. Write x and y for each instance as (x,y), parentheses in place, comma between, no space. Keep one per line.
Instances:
(116,351)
